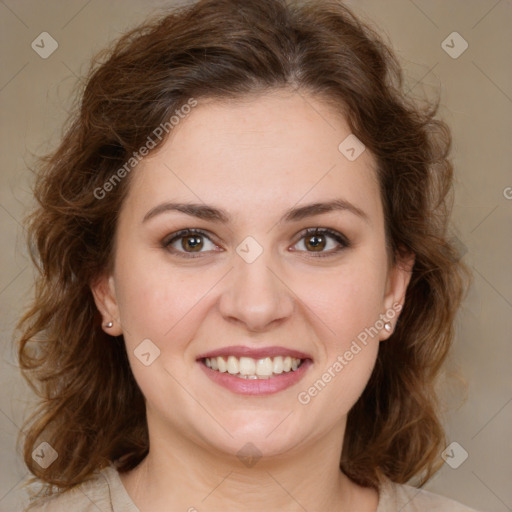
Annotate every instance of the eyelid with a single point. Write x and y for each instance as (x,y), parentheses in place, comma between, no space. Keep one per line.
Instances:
(184,232)
(325,231)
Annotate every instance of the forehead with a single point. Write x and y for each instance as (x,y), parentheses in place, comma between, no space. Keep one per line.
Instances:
(270,150)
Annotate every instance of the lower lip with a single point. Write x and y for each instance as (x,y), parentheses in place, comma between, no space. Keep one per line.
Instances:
(257,386)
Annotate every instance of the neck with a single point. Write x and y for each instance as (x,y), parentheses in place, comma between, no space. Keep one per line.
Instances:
(181,473)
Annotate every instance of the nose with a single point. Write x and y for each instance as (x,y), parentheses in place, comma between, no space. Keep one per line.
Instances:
(256,294)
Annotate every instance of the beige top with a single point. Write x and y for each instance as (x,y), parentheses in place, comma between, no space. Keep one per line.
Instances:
(106,493)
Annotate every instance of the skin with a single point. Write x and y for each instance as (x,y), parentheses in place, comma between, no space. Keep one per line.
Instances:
(255,159)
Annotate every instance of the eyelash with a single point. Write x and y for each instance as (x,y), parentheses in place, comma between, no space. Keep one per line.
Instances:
(338,237)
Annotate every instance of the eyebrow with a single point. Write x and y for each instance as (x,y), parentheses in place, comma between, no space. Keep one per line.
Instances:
(206,212)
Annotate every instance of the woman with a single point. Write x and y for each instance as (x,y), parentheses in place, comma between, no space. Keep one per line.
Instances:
(246,291)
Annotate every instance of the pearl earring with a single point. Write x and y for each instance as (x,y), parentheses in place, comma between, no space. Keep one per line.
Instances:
(387,326)
(108,325)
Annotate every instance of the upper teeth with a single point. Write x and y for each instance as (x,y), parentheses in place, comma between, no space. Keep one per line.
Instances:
(247,367)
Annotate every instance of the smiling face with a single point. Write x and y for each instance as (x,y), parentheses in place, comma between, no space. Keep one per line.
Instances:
(251,280)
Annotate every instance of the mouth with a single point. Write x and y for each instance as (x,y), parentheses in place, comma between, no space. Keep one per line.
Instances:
(255,372)
(249,368)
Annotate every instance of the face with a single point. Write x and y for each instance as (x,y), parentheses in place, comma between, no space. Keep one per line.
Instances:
(248,269)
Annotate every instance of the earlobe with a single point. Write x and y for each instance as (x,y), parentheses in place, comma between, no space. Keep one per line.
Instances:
(398,280)
(103,290)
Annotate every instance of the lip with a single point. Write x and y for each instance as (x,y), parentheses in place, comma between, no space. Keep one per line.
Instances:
(256,387)
(255,353)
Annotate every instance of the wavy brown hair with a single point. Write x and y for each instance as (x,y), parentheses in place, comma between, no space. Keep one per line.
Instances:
(92,411)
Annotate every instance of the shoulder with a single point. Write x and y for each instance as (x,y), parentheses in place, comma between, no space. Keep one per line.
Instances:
(103,491)
(410,499)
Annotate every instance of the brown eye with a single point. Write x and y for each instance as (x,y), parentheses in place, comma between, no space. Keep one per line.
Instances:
(189,242)
(324,242)
(192,243)
(315,242)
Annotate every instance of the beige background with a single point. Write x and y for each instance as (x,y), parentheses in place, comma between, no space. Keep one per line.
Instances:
(476,93)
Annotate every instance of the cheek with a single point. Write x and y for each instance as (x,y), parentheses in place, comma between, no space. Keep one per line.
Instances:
(159,302)
(347,301)
(348,348)
(338,385)
(347,306)
(165,306)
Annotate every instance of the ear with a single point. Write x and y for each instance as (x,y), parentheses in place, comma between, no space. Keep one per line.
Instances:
(398,279)
(104,293)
